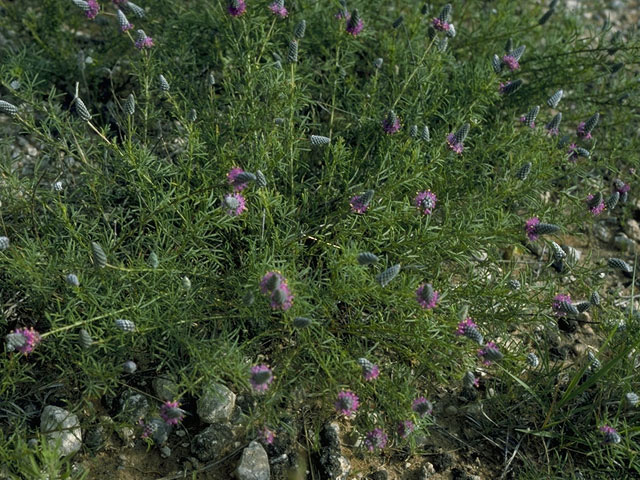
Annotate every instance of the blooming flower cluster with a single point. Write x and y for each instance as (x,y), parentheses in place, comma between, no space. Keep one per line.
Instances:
(24,340)
(236,8)
(278,9)
(360,203)
(562,305)
(260,378)
(427,297)
(610,434)
(489,353)
(171,413)
(469,329)
(391,123)
(595,204)
(422,406)
(266,436)
(347,403)
(405,428)
(370,371)
(425,202)
(375,439)
(143,41)
(275,286)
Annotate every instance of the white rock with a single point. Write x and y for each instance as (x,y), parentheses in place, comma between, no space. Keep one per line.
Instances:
(216,403)
(59,425)
(254,464)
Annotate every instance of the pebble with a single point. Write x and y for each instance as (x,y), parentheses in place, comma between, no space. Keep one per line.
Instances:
(216,403)
(60,425)
(254,464)
(633,229)
(624,243)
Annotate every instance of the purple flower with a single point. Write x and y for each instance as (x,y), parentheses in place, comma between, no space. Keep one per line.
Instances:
(427,297)
(270,281)
(422,406)
(489,353)
(610,434)
(573,152)
(469,329)
(354,23)
(581,131)
(370,371)
(596,209)
(275,285)
(360,203)
(405,428)
(125,25)
(260,378)
(282,297)
(553,131)
(278,9)
(621,187)
(530,228)
(232,179)
(23,340)
(425,201)
(236,8)
(347,403)
(267,436)
(503,86)
(171,413)
(143,41)
(454,144)
(559,304)
(440,25)
(375,439)
(391,123)
(523,119)
(235,204)
(511,62)
(92,11)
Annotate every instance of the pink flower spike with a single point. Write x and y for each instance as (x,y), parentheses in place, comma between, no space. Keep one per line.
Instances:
(347,403)
(596,209)
(232,179)
(143,41)
(23,340)
(422,406)
(581,131)
(454,144)
(237,8)
(278,9)
(260,378)
(405,428)
(92,11)
(235,204)
(425,201)
(266,436)
(440,25)
(375,439)
(530,228)
(171,413)
(355,24)
(511,62)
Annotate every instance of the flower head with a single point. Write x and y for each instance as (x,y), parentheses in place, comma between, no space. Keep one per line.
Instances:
(426,202)
(234,204)
(422,406)
(511,62)
(440,25)
(582,133)
(92,11)
(232,178)
(143,41)
(260,378)
(427,297)
(405,428)
(490,353)
(375,439)
(360,203)
(561,305)
(454,144)
(267,436)
(595,204)
(270,281)
(370,371)
(278,9)
(391,123)
(171,413)
(23,340)
(530,228)
(281,297)
(355,24)
(236,8)
(469,329)
(125,25)
(610,434)
(347,403)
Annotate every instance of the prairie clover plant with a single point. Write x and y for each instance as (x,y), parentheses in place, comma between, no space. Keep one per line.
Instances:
(144,213)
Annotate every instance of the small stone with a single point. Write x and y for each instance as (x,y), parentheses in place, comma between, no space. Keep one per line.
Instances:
(451,410)
(379,475)
(573,254)
(624,243)
(127,435)
(165,452)
(584,317)
(578,349)
(134,406)
(633,229)
(95,438)
(587,330)
(254,464)
(212,442)
(216,403)
(61,427)
(602,232)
